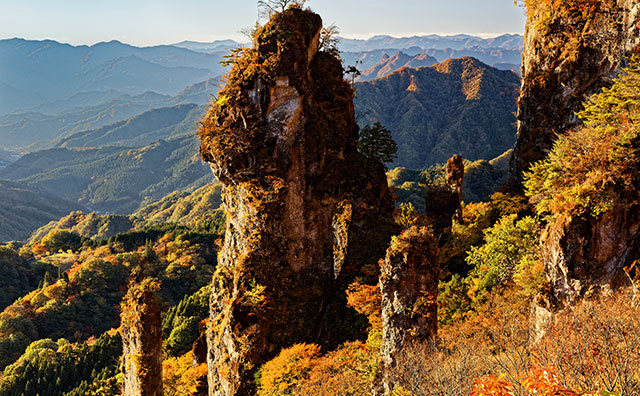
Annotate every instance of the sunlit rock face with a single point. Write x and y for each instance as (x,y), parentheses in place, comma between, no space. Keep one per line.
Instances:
(409,284)
(306,213)
(569,56)
(141,329)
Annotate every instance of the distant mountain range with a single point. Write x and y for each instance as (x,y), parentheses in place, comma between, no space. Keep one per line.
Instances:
(35,72)
(24,208)
(433,41)
(35,130)
(459,106)
(114,179)
(389,64)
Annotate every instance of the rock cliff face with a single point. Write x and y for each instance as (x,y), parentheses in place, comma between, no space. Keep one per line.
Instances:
(305,215)
(409,286)
(572,49)
(586,256)
(141,329)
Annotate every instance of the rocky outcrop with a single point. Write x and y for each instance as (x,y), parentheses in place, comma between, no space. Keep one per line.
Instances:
(589,255)
(409,285)
(444,201)
(141,330)
(305,213)
(572,50)
(455,179)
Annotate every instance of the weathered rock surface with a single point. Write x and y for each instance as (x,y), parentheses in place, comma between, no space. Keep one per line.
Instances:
(568,56)
(141,330)
(586,256)
(409,285)
(305,214)
(455,178)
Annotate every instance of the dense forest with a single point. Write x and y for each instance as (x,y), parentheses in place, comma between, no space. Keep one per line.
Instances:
(314,265)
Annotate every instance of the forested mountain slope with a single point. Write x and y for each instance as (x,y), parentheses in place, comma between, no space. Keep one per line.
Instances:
(459,106)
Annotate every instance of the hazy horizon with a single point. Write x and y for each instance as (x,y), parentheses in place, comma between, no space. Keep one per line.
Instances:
(354,37)
(162,22)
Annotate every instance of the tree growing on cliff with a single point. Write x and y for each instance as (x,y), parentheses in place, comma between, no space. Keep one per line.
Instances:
(272,6)
(375,143)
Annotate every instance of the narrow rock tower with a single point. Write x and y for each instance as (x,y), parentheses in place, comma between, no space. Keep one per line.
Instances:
(141,330)
(305,213)
(409,286)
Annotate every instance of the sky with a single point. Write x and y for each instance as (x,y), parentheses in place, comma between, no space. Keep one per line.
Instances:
(154,22)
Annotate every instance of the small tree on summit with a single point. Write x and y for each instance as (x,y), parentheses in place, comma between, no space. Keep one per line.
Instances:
(375,143)
(269,6)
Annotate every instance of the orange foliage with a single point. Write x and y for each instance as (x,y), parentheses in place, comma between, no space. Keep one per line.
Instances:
(284,374)
(545,382)
(367,300)
(540,382)
(492,386)
(346,371)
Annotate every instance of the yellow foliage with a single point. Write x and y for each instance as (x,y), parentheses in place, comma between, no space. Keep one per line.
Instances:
(181,378)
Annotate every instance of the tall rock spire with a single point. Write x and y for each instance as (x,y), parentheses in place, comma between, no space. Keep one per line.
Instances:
(141,329)
(305,213)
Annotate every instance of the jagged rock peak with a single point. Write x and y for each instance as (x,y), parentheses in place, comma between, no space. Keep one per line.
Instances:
(571,51)
(141,330)
(444,201)
(301,202)
(455,179)
(409,284)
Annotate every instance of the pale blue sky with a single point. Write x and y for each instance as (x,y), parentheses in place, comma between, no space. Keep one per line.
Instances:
(150,22)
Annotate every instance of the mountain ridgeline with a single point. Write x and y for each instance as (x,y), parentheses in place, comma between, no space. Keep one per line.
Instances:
(35,72)
(460,105)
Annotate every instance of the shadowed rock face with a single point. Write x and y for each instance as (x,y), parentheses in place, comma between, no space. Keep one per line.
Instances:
(305,214)
(444,202)
(455,178)
(409,286)
(568,56)
(141,329)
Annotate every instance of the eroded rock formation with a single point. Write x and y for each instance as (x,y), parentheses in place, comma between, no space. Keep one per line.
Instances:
(589,255)
(305,214)
(141,330)
(444,202)
(570,53)
(409,283)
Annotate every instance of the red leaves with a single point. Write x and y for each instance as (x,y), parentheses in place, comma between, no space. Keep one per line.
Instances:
(541,382)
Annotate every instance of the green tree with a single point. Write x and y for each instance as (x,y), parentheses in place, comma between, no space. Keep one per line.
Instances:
(375,143)
(589,166)
(511,253)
